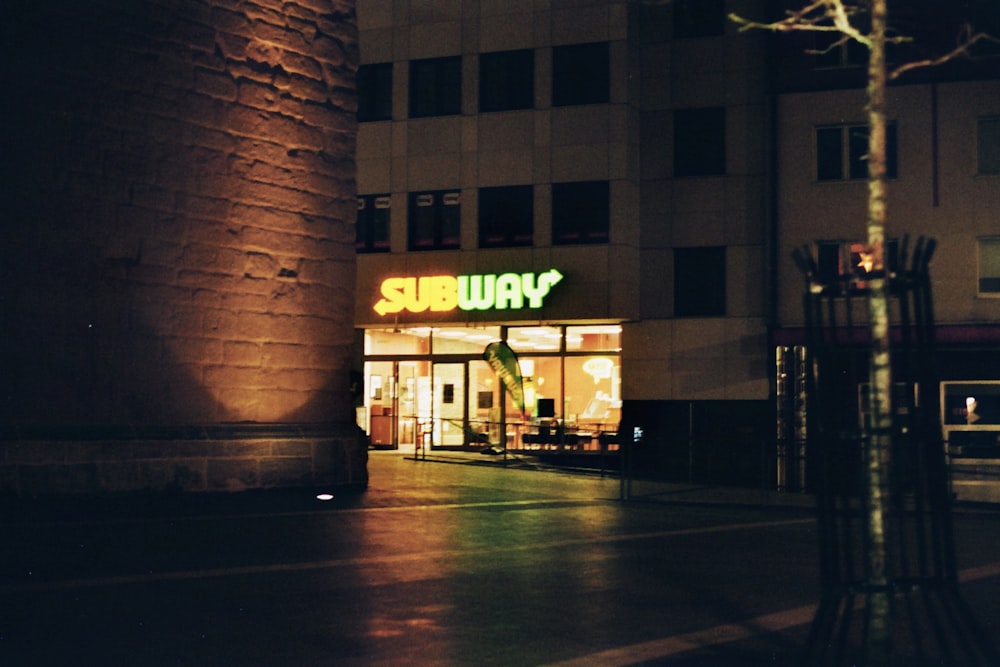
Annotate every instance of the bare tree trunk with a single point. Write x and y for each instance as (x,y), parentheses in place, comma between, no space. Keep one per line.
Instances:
(880,378)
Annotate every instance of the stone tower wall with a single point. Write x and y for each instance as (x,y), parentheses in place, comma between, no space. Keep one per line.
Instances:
(178,236)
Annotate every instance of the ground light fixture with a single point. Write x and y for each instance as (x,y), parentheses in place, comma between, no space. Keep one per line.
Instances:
(324,496)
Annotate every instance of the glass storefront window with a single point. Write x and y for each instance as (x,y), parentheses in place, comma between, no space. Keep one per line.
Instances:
(534,339)
(430,387)
(542,380)
(596,338)
(593,391)
(463,340)
(408,341)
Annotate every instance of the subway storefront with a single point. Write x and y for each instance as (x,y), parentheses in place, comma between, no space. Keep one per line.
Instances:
(429,385)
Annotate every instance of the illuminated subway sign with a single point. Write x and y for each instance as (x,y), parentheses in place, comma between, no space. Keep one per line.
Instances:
(474,292)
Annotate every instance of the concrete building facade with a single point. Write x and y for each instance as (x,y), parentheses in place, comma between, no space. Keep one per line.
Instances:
(625,143)
(698,158)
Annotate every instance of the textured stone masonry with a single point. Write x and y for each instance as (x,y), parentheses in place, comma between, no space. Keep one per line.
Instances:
(179,243)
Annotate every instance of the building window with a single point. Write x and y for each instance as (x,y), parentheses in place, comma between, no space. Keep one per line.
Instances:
(833,52)
(580,212)
(988,145)
(837,261)
(435,87)
(580,74)
(699,18)
(435,220)
(374,84)
(372,225)
(989,266)
(700,282)
(506,216)
(842,152)
(507,80)
(700,142)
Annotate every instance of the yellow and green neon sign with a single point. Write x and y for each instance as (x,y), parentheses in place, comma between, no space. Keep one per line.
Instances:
(506,291)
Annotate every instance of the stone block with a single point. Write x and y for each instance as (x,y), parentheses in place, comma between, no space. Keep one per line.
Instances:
(79,478)
(118,476)
(299,448)
(286,472)
(34,452)
(232,474)
(174,474)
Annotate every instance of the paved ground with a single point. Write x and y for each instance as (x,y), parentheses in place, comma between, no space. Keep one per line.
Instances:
(437,564)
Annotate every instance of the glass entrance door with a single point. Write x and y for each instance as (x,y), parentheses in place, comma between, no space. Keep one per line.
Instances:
(449,405)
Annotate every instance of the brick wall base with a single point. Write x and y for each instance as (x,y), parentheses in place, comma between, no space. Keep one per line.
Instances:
(217,458)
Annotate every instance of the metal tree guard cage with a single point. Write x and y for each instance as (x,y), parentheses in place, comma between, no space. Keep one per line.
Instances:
(929,623)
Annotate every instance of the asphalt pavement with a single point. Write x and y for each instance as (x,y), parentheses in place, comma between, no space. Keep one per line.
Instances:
(457,560)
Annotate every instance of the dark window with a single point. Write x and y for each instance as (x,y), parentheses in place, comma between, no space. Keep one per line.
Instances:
(507,80)
(435,87)
(988,145)
(372,225)
(831,51)
(699,18)
(700,142)
(435,220)
(842,152)
(506,216)
(375,92)
(830,261)
(700,282)
(580,74)
(580,212)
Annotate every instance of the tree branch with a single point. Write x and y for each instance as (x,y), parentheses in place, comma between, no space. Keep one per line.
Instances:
(959,51)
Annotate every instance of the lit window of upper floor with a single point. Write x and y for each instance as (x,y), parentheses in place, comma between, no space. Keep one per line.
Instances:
(851,262)
(580,74)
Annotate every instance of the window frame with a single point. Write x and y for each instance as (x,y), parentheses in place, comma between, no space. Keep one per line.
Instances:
(699,265)
(991,149)
(692,21)
(368,238)
(497,233)
(374,84)
(506,80)
(851,150)
(988,286)
(693,158)
(444,220)
(435,87)
(581,213)
(581,74)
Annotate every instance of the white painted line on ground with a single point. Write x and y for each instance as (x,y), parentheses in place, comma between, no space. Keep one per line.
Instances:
(690,641)
(387,559)
(724,634)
